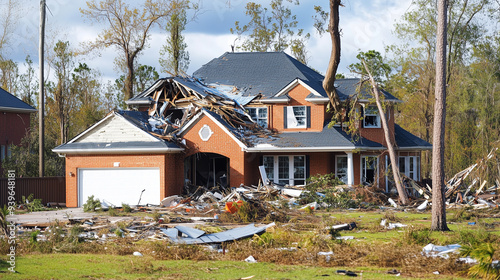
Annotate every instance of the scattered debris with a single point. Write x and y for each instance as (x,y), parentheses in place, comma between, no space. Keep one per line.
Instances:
(432,250)
(137,254)
(346,272)
(251,259)
(328,255)
(391,225)
(349,226)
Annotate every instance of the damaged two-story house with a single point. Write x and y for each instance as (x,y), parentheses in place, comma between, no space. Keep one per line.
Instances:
(238,112)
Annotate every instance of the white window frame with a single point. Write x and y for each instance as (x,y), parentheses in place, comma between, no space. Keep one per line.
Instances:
(259,120)
(290,180)
(375,113)
(339,174)
(363,168)
(409,161)
(293,119)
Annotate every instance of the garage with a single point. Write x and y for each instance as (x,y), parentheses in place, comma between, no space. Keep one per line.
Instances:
(119,185)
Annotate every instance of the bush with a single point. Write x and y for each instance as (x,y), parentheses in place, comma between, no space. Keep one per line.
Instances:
(92,204)
(32,204)
(326,184)
(126,208)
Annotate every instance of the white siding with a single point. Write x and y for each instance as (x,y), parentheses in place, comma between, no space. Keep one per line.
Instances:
(115,129)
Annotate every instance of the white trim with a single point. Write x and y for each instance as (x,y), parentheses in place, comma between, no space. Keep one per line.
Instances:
(275,100)
(91,128)
(116,151)
(318,100)
(379,120)
(416,148)
(17,110)
(139,102)
(361,168)
(107,117)
(270,148)
(293,84)
(195,118)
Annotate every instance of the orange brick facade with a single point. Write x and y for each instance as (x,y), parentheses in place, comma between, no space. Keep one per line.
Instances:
(243,166)
(171,165)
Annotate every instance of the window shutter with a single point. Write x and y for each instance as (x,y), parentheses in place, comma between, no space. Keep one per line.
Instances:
(308,114)
(362,113)
(308,173)
(285,117)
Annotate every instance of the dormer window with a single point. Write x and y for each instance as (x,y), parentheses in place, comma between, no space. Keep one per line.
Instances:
(258,115)
(371,117)
(297,116)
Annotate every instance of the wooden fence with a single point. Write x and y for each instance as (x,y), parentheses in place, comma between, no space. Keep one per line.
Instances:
(48,189)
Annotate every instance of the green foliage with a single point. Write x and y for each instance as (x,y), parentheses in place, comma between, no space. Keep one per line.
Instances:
(126,208)
(34,236)
(276,31)
(484,253)
(32,204)
(92,204)
(156,215)
(112,212)
(325,184)
(379,69)
(174,57)
(417,235)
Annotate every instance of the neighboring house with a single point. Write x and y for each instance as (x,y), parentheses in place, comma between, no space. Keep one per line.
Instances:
(14,123)
(205,133)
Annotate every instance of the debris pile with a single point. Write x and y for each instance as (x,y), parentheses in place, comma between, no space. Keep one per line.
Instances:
(174,102)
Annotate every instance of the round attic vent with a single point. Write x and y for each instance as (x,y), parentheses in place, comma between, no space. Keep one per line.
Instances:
(205,133)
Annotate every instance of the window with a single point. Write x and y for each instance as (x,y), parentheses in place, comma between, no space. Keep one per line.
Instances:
(410,166)
(368,169)
(371,118)
(259,115)
(341,168)
(269,166)
(297,116)
(289,170)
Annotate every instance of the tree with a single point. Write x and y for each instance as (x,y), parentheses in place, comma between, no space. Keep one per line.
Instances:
(333,64)
(128,29)
(8,20)
(414,82)
(145,76)
(390,145)
(374,61)
(28,84)
(276,32)
(60,102)
(176,56)
(9,73)
(438,187)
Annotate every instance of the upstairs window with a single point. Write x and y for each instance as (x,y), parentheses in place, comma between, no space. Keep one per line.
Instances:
(297,116)
(258,115)
(371,117)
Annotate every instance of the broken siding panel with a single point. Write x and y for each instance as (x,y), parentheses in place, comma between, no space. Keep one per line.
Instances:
(115,129)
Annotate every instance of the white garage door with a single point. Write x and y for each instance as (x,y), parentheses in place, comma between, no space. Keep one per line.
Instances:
(119,185)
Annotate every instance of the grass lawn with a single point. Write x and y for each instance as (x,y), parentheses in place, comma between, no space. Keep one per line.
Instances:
(92,266)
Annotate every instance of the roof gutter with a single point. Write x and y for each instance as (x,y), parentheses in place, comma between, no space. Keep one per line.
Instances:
(309,149)
(120,151)
(318,100)
(275,100)
(415,148)
(17,110)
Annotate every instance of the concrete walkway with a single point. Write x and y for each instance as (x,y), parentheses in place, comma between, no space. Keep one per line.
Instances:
(43,217)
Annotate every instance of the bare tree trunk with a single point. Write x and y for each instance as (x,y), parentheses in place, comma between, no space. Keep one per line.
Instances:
(390,146)
(129,80)
(333,64)
(438,190)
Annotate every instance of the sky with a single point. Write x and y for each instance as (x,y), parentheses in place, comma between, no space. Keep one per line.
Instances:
(366,25)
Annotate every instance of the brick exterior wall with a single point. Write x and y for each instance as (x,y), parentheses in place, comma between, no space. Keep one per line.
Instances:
(13,128)
(219,143)
(298,95)
(171,165)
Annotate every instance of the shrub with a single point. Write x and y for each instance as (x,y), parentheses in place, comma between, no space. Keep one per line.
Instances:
(126,208)
(92,204)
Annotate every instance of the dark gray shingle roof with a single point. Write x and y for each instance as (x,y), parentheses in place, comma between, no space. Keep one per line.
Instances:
(327,138)
(348,87)
(258,72)
(406,140)
(9,102)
